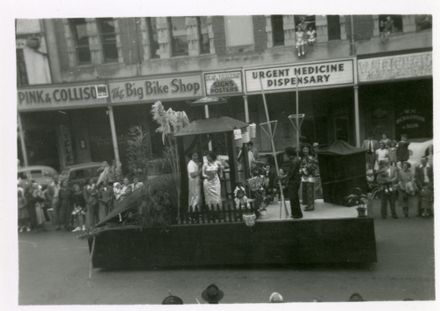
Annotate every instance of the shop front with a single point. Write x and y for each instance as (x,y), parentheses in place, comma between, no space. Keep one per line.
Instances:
(396,95)
(132,100)
(63,124)
(325,97)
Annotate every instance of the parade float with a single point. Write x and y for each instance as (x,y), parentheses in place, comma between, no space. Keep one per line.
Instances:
(150,229)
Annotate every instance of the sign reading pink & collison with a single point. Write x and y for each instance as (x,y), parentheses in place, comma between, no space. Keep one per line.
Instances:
(223,83)
(152,89)
(306,75)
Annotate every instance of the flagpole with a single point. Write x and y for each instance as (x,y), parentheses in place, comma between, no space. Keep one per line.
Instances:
(280,188)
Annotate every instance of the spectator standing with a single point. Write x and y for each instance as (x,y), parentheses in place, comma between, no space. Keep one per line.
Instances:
(38,201)
(370,145)
(382,154)
(23,215)
(385,140)
(91,197)
(407,186)
(393,153)
(64,213)
(402,152)
(387,179)
(424,178)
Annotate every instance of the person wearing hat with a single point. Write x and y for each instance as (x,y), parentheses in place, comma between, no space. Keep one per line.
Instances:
(424,178)
(293,178)
(212,294)
(276,298)
(355,297)
(172,300)
(406,187)
(387,179)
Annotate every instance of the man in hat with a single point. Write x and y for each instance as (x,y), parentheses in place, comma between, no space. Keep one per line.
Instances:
(172,300)
(212,294)
(276,298)
(406,186)
(293,182)
(387,179)
(424,178)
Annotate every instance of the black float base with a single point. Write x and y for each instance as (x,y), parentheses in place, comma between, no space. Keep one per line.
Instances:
(345,240)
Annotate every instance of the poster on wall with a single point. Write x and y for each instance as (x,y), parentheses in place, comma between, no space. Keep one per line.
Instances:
(223,83)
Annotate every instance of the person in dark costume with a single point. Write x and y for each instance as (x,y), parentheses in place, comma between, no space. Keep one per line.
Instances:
(293,182)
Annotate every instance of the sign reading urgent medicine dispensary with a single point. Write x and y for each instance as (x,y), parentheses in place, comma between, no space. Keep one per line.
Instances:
(310,75)
(152,89)
(56,97)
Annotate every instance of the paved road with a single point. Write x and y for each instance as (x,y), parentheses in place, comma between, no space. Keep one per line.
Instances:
(54,270)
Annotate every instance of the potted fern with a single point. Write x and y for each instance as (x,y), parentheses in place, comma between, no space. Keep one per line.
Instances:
(362,200)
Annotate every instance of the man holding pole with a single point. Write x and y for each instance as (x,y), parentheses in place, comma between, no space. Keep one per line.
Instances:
(293,182)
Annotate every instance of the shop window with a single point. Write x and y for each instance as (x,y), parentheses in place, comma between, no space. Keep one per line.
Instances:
(391,22)
(179,38)
(333,27)
(202,28)
(22,77)
(154,39)
(107,32)
(78,27)
(277,29)
(423,22)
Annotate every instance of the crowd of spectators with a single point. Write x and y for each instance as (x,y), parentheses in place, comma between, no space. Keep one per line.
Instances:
(70,206)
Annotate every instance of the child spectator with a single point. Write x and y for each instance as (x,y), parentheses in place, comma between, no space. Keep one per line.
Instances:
(300,40)
(79,209)
(240,197)
(311,36)
(137,184)
(117,191)
(126,188)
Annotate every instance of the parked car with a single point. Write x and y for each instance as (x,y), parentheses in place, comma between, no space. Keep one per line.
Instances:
(80,173)
(42,174)
(417,150)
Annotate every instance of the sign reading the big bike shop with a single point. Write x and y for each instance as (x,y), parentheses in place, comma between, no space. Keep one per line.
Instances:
(152,89)
(308,75)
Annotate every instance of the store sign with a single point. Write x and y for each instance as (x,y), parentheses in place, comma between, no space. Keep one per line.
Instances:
(223,83)
(59,97)
(310,75)
(153,89)
(395,67)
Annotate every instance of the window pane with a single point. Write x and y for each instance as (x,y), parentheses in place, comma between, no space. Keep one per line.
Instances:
(84,55)
(423,22)
(334,27)
(106,28)
(78,27)
(239,30)
(154,40)
(277,29)
(178,33)
(22,78)
(202,24)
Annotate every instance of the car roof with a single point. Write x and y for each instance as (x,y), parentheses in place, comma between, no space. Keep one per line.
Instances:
(83,165)
(36,168)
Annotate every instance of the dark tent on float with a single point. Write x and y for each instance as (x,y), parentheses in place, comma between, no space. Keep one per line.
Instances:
(342,168)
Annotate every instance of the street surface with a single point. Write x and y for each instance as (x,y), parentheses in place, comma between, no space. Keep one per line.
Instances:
(54,271)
